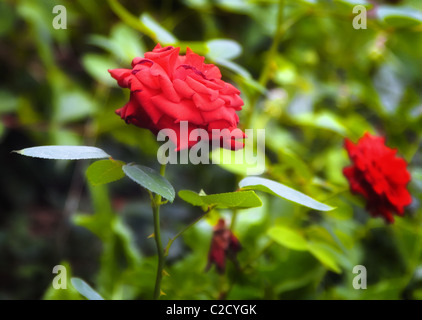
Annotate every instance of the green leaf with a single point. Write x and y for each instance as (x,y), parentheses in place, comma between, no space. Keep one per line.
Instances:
(161,34)
(126,42)
(282,191)
(74,105)
(64,152)
(151,180)
(198,4)
(239,199)
(353,3)
(244,74)
(124,235)
(241,73)
(234,67)
(97,65)
(9,102)
(324,120)
(310,1)
(399,16)
(85,290)
(227,159)
(325,254)
(237,6)
(389,86)
(6,18)
(288,237)
(223,49)
(191,197)
(105,171)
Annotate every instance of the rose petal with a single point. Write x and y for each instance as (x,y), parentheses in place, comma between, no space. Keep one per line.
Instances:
(201,88)
(233,101)
(165,57)
(183,89)
(144,75)
(185,110)
(204,104)
(122,76)
(227,114)
(143,100)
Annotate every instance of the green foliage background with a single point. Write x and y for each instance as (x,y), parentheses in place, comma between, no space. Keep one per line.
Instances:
(306,76)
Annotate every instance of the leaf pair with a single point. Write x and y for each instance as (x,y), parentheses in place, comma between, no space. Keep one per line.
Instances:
(105,171)
(247,198)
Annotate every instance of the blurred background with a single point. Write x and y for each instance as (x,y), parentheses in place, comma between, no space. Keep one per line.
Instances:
(306,76)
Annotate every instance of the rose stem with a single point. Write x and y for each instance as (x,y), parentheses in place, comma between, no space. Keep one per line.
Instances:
(155,204)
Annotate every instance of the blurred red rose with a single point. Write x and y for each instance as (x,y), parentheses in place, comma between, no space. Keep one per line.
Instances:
(167,88)
(224,245)
(379,176)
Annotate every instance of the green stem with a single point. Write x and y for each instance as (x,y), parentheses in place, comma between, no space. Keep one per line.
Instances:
(167,248)
(155,204)
(131,20)
(263,78)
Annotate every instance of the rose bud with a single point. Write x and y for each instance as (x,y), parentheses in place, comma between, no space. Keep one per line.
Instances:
(224,245)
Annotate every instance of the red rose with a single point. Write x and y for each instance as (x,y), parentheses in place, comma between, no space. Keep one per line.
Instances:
(167,88)
(379,176)
(224,245)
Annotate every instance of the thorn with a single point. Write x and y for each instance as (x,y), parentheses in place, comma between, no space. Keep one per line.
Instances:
(165,273)
(162,293)
(152,235)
